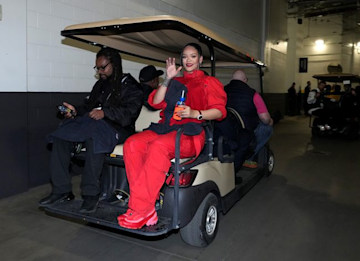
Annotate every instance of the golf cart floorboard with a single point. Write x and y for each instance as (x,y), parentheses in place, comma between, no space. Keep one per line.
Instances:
(105,215)
(247,174)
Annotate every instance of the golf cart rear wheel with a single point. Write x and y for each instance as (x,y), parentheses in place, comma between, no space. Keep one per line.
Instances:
(202,229)
(270,163)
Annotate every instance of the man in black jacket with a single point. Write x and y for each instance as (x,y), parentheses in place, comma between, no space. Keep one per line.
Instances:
(105,119)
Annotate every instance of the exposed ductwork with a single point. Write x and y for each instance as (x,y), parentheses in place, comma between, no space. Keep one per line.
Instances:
(311,8)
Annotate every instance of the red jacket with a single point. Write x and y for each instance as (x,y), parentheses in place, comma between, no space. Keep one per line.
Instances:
(204,92)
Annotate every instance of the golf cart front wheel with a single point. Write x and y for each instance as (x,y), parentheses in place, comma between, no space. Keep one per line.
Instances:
(202,229)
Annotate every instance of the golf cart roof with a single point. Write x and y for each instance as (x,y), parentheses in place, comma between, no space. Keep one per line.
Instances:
(337,77)
(157,38)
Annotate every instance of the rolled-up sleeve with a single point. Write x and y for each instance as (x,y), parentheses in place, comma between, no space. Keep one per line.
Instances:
(157,106)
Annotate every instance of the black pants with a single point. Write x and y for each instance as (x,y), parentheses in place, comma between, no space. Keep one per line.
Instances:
(238,140)
(59,168)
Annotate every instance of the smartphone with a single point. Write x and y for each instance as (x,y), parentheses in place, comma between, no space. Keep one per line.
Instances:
(64,109)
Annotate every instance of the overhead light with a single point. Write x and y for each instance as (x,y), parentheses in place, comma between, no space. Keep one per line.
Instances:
(319,42)
(319,45)
(357,47)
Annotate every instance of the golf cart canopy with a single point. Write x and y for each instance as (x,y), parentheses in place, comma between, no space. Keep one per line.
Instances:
(337,77)
(158,37)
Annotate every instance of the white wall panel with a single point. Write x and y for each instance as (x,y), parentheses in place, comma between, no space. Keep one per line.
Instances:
(54,63)
(40,6)
(13,46)
(37,36)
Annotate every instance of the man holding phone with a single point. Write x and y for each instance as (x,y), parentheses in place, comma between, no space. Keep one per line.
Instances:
(106,119)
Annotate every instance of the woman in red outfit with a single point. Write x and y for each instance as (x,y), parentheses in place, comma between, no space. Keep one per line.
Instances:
(147,155)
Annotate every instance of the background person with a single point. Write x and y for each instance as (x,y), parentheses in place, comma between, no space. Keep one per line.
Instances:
(105,119)
(149,80)
(307,90)
(315,101)
(292,100)
(147,154)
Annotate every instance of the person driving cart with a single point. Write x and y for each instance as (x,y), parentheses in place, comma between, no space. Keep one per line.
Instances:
(147,154)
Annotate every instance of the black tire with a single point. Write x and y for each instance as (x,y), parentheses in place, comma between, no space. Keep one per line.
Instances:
(202,229)
(266,160)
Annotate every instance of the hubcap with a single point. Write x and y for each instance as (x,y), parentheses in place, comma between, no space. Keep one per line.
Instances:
(211,220)
(271,163)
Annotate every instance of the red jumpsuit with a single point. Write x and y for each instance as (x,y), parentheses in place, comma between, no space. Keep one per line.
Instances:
(147,154)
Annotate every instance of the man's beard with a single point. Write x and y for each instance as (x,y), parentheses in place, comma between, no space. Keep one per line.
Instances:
(103,76)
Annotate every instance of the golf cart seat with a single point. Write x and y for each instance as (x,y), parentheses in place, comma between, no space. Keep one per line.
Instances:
(144,120)
(233,140)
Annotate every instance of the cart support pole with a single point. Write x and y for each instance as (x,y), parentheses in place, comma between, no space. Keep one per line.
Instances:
(175,218)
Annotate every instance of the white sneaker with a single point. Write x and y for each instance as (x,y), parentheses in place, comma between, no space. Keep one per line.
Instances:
(321,127)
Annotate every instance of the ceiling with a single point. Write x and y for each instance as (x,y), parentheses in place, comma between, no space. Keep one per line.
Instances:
(315,8)
(312,9)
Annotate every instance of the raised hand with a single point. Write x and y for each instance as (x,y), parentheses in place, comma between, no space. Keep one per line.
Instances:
(171,70)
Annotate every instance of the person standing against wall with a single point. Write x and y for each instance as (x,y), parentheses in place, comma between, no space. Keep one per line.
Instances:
(292,100)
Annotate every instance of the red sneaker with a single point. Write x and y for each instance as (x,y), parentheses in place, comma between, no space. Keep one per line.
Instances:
(136,221)
(123,216)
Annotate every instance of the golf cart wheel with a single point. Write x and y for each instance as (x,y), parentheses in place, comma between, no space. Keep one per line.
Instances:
(202,229)
(270,163)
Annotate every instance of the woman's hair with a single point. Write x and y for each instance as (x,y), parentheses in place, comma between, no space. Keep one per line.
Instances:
(114,57)
(194,45)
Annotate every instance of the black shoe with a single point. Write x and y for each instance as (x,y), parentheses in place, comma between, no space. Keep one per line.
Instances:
(53,198)
(89,204)
(119,197)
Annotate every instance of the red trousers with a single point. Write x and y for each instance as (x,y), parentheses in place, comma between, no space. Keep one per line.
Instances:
(147,158)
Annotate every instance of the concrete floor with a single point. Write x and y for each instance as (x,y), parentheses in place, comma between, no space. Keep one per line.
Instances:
(309,209)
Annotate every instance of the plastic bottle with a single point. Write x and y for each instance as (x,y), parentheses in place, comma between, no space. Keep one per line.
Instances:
(177,108)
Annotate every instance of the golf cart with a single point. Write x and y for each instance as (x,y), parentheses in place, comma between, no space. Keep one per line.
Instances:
(196,189)
(341,119)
